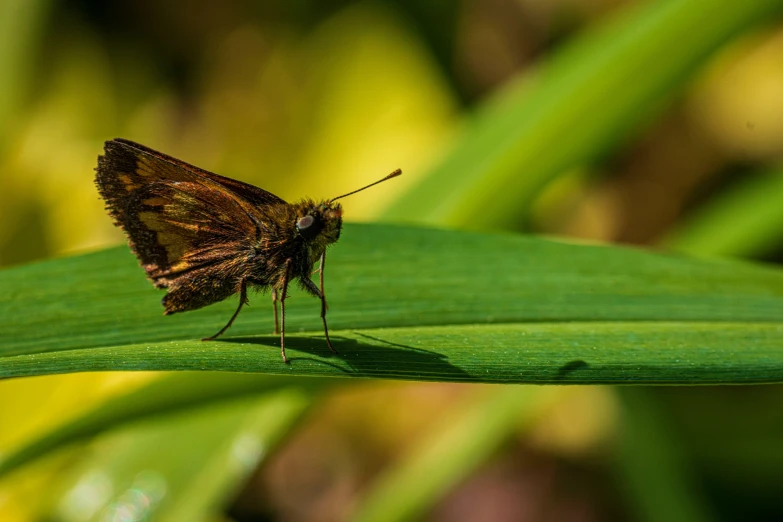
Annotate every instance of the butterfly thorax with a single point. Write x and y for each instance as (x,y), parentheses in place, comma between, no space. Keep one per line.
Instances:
(299,232)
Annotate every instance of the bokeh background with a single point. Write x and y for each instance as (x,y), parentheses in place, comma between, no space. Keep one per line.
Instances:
(315,98)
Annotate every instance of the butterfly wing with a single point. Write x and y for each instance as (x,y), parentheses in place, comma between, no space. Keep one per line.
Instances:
(248,192)
(193,231)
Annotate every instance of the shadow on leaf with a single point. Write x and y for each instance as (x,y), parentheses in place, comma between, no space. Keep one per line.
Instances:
(376,358)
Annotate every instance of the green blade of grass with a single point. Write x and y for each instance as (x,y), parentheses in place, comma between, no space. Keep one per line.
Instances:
(464,439)
(422,304)
(587,97)
(183,466)
(623,352)
(747,220)
(655,475)
(168,395)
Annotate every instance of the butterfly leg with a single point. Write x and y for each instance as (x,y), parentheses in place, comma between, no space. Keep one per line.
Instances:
(274,304)
(242,302)
(323,300)
(319,293)
(283,295)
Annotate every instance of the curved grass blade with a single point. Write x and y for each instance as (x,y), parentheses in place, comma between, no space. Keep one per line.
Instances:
(591,94)
(170,394)
(655,475)
(184,466)
(746,221)
(465,438)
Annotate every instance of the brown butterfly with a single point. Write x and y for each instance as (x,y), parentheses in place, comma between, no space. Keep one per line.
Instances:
(206,237)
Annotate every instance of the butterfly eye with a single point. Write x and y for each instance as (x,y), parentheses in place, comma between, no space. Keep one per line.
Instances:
(309,226)
(305,223)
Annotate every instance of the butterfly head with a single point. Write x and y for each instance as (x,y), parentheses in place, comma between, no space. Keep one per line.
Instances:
(319,222)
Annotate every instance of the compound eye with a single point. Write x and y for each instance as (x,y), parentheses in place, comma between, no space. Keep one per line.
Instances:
(309,226)
(304,223)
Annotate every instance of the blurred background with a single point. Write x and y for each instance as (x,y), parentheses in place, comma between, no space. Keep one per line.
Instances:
(657,123)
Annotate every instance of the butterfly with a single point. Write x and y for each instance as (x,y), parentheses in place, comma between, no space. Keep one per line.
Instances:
(206,237)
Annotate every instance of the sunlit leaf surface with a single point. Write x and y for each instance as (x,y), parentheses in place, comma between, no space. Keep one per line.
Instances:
(422,304)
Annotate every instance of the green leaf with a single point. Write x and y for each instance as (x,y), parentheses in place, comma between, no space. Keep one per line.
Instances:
(655,474)
(592,94)
(182,466)
(465,437)
(168,395)
(746,220)
(421,304)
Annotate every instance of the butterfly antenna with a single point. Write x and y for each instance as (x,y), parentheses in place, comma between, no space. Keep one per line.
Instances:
(390,176)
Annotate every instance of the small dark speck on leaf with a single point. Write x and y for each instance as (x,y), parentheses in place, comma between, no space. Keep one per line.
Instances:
(572,366)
